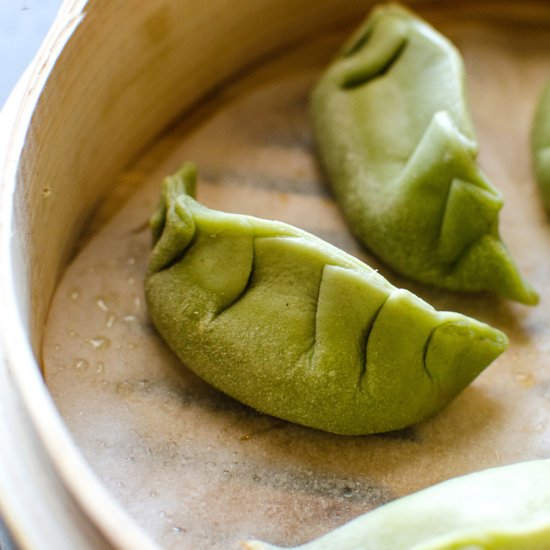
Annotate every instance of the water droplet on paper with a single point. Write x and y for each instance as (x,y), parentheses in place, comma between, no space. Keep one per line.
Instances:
(46,192)
(137,303)
(74,294)
(100,368)
(99,342)
(131,260)
(101,304)
(347,491)
(129,318)
(82,365)
(111,321)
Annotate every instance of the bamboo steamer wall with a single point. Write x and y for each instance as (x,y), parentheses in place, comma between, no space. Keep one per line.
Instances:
(108,79)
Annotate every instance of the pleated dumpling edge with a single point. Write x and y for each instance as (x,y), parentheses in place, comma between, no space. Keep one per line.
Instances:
(394,135)
(296,328)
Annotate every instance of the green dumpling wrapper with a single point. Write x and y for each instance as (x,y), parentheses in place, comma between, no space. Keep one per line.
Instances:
(540,145)
(296,328)
(504,508)
(396,141)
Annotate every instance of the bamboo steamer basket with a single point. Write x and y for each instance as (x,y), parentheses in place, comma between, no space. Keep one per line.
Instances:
(110,78)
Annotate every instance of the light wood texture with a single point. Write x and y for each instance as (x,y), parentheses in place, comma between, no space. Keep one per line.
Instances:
(109,79)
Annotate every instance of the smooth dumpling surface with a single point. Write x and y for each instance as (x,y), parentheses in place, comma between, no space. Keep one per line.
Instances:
(506,508)
(397,144)
(298,329)
(540,144)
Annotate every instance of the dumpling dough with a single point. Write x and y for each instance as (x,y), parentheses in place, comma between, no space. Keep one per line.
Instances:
(540,144)
(298,329)
(397,144)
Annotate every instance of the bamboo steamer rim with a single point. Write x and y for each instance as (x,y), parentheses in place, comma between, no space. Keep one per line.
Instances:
(47,491)
(33,436)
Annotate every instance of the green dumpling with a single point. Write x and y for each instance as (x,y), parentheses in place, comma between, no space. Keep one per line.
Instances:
(397,144)
(506,508)
(540,145)
(298,329)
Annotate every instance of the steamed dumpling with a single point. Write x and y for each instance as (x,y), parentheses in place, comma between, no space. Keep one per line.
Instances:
(298,329)
(540,144)
(397,144)
(506,508)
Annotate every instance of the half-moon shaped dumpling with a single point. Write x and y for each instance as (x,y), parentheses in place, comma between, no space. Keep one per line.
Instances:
(298,329)
(505,508)
(397,144)
(540,144)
